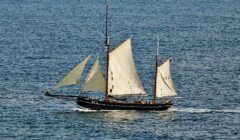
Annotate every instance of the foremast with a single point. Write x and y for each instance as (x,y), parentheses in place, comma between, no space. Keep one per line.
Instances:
(107,45)
(156,68)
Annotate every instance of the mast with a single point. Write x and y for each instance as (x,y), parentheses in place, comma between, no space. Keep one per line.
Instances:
(107,51)
(156,68)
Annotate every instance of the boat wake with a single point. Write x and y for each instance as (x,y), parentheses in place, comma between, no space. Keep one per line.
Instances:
(199,110)
(88,110)
(187,110)
(83,110)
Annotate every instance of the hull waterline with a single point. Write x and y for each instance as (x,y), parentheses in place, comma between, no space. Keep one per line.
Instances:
(107,105)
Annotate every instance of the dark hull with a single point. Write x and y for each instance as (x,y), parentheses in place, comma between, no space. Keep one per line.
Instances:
(103,105)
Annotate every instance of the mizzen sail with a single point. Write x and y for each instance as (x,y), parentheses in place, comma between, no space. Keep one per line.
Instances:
(122,75)
(95,80)
(73,77)
(166,73)
(164,85)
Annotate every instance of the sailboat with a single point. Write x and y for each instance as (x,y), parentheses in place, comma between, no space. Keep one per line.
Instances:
(121,80)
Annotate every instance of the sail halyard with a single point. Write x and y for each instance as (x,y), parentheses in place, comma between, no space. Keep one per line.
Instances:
(123,79)
(73,77)
(95,80)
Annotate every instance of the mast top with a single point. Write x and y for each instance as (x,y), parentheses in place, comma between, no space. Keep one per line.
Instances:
(157,53)
(106,32)
(157,45)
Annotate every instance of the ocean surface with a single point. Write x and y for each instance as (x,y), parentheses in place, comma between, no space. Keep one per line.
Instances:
(41,40)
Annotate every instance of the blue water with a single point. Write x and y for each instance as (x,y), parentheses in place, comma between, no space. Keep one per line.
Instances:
(40,40)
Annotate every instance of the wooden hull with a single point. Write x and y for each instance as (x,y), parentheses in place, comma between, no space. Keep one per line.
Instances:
(110,105)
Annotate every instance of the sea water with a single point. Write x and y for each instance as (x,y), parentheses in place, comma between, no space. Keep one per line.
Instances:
(41,40)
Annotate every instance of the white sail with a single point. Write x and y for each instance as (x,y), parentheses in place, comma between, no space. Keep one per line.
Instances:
(95,80)
(164,85)
(166,74)
(162,89)
(73,77)
(122,75)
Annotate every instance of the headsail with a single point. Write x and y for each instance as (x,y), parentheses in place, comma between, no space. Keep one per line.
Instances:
(122,75)
(164,87)
(95,80)
(73,77)
(166,73)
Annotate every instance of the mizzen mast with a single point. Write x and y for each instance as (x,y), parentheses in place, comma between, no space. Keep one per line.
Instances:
(156,68)
(107,49)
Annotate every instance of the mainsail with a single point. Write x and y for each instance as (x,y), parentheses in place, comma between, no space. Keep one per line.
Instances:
(95,80)
(73,77)
(164,85)
(122,75)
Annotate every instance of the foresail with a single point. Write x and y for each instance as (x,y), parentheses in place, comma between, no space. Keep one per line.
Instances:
(95,80)
(162,89)
(73,77)
(122,75)
(166,74)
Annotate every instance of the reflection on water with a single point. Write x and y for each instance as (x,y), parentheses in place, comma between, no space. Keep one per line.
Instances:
(125,115)
(121,115)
